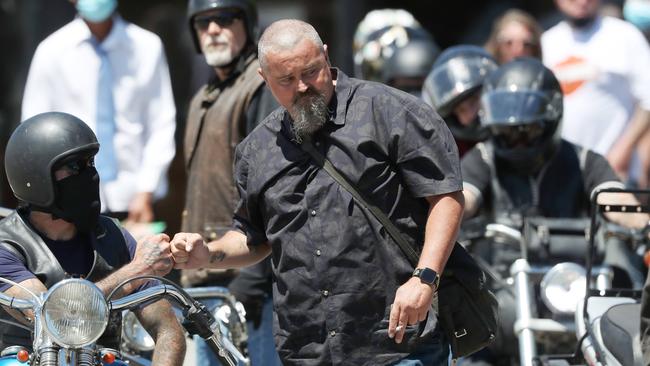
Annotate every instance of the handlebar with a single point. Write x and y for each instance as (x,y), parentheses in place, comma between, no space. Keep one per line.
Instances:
(16,303)
(198,319)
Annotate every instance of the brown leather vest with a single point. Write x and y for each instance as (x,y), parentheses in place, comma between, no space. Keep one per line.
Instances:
(216,123)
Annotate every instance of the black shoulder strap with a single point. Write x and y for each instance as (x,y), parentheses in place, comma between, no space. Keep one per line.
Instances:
(392,230)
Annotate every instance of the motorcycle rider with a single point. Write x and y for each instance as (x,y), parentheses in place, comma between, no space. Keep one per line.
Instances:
(453,88)
(58,233)
(516,172)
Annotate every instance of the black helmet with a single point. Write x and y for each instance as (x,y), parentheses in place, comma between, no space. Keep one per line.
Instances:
(457,74)
(521,105)
(37,147)
(195,7)
(412,61)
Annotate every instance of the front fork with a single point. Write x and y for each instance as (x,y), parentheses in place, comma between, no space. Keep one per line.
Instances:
(527,322)
(519,271)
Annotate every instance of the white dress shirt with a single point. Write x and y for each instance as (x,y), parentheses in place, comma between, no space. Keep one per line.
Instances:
(63,77)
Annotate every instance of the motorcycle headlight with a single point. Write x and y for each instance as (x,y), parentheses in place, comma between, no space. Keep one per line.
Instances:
(75,313)
(134,334)
(563,287)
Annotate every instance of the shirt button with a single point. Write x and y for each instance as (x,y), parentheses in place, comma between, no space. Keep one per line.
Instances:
(332,333)
(326,293)
(318,252)
(313,212)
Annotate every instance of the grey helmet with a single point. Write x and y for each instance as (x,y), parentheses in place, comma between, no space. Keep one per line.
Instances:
(412,61)
(458,71)
(248,7)
(457,74)
(521,105)
(37,147)
(378,35)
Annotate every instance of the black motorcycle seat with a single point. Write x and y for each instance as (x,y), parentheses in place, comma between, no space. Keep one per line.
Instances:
(619,329)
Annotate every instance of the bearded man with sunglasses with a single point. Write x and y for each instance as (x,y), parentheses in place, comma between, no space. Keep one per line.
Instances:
(221,114)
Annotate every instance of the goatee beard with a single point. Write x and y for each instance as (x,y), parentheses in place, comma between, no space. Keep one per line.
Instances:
(309,115)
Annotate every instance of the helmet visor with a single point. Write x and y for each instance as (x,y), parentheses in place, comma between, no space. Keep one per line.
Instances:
(516,107)
(518,136)
(455,77)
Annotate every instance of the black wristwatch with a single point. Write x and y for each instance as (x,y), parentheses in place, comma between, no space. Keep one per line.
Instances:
(428,276)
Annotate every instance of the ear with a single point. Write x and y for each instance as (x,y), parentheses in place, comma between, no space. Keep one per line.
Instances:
(327,56)
(259,71)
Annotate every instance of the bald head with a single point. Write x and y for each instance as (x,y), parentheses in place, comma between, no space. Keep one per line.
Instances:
(284,35)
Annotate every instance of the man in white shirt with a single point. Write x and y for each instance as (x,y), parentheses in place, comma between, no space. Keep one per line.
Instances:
(603,66)
(113,75)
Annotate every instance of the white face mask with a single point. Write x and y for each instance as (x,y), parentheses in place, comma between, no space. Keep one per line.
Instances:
(96,11)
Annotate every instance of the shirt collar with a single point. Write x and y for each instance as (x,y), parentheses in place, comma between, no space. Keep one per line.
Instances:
(342,92)
(112,40)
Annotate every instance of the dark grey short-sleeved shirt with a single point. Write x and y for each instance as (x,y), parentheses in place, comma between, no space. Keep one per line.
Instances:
(335,271)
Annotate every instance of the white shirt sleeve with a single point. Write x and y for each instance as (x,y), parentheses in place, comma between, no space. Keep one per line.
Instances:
(160,126)
(639,59)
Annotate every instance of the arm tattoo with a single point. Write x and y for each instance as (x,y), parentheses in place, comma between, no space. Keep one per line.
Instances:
(152,254)
(159,320)
(218,256)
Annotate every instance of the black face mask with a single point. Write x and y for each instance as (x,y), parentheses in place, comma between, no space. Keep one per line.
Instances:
(78,201)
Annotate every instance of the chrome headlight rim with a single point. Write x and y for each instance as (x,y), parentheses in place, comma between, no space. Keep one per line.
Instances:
(102,315)
(578,283)
(134,334)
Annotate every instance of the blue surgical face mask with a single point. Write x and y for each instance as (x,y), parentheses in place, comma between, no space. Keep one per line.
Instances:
(638,13)
(96,11)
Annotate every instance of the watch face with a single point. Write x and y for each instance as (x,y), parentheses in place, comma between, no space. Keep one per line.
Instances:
(427,275)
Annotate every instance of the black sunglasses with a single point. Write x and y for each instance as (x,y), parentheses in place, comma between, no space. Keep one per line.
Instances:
(223,19)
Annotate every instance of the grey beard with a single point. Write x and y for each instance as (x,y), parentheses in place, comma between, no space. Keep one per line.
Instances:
(309,115)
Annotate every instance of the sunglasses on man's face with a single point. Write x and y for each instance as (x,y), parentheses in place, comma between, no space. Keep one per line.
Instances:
(223,19)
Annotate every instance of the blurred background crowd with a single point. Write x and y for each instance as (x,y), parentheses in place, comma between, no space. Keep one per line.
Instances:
(25,23)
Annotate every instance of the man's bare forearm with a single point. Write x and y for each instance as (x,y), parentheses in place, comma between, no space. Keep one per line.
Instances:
(151,258)
(161,323)
(445,213)
(232,251)
(170,349)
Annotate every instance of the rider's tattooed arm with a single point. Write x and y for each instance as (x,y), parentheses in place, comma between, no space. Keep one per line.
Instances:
(152,257)
(32,284)
(161,323)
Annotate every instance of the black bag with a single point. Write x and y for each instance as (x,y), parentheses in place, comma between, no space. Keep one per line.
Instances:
(468,311)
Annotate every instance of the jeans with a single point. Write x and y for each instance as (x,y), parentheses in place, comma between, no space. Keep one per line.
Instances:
(431,353)
(261,347)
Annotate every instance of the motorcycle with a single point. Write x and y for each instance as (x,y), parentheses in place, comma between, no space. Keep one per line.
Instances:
(608,320)
(71,316)
(538,275)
